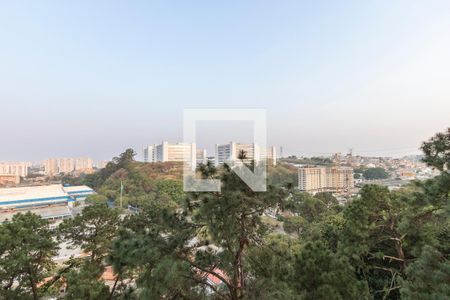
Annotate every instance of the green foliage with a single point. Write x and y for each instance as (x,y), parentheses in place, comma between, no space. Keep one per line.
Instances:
(294,224)
(84,283)
(322,274)
(320,161)
(437,151)
(375,173)
(96,198)
(92,231)
(381,245)
(427,276)
(282,175)
(26,252)
(123,161)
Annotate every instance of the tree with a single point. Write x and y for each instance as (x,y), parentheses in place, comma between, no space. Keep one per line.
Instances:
(322,274)
(428,277)
(294,224)
(93,230)
(123,161)
(178,248)
(26,251)
(373,240)
(437,151)
(272,265)
(85,283)
(96,198)
(375,173)
(242,155)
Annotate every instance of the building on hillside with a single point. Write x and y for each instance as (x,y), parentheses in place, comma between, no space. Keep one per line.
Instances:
(14,168)
(325,179)
(167,152)
(36,196)
(232,152)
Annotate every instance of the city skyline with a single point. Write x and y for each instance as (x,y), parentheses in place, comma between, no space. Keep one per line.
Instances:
(332,76)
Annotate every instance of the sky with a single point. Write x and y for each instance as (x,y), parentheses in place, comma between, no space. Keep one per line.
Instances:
(92,78)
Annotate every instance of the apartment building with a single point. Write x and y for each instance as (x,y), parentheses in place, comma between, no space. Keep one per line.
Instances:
(233,150)
(66,165)
(325,179)
(9,179)
(14,168)
(53,166)
(83,164)
(168,152)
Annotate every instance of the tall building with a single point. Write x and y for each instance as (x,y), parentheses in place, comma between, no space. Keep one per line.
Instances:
(84,163)
(51,167)
(14,168)
(325,179)
(166,152)
(201,156)
(149,154)
(232,152)
(66,165)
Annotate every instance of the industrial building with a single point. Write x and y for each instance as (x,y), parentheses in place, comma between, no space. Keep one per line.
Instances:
(49,201)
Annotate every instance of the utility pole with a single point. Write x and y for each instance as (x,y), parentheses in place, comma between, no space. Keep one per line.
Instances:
(121,194)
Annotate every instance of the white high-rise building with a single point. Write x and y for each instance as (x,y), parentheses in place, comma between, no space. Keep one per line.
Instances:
(167,152)
(232,152)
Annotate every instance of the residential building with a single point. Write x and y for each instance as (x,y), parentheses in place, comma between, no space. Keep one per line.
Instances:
(54,166)
(51,167)
(325,179)
(9,179)
(14,168)
(84,164)
(232,152)
(167,152)
(66,165)
(149,154)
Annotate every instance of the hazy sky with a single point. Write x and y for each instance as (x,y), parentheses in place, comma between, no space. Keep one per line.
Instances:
(92,78)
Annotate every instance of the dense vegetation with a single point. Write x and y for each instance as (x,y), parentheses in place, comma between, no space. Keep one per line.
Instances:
(373,173)
(381,245)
